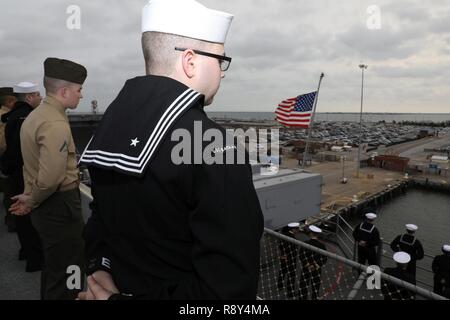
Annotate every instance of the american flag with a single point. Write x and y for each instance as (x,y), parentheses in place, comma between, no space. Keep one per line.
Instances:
(296,112)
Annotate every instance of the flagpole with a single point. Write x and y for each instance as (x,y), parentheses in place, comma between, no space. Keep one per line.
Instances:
(312,122)
(363,67)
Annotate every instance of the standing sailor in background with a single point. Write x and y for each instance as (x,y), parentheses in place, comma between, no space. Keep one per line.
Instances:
(312,264)
(51,180)
(441,270)
(409,244)
(7,101)
(392,291)
(12,162)
(164,227)
(368,239)
(288,259)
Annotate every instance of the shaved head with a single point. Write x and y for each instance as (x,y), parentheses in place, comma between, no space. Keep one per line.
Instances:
(159,51)
(52,85)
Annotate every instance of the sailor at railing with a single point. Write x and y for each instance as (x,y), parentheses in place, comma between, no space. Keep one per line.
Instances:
(390,290)
(312,264)
(410,244)
(368,238)
(441,269)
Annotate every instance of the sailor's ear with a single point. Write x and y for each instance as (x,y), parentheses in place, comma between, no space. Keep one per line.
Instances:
(189,62)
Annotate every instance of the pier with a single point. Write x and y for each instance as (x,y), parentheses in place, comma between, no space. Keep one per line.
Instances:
(78,119)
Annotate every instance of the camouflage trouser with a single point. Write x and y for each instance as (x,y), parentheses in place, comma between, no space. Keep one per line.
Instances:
(60,224)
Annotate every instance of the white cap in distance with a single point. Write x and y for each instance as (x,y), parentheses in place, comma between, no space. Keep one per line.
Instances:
(402,257)
(371,216)
(315,229)
(26,87)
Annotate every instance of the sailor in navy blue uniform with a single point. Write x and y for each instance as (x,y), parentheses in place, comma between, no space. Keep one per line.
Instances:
(288,259)
(441,270)
(12,165)
(312,263)
(368,238)
(392,291)
(409,244)
(162,228)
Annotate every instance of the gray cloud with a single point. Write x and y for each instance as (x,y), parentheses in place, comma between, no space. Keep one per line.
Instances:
(404,10)
(384,43)
(441,24)
(418,72)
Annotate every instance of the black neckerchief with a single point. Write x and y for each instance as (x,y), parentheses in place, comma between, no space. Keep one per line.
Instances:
(364,224)
(136,122)
(404,241)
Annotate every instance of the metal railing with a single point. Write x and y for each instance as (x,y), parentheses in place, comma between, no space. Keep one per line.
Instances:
(345,241)
(334,279)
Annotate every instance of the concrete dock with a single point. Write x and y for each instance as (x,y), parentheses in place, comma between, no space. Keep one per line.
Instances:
(371,180)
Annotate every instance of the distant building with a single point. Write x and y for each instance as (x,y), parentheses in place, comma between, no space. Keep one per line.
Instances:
(389,162)
(439,159)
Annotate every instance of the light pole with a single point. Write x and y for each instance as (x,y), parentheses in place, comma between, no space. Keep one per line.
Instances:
(343,179)
(363,67)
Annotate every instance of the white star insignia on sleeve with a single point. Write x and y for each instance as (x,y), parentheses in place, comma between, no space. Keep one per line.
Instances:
(134,142)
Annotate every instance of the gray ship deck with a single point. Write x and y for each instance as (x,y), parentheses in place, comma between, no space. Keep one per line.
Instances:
(15,283)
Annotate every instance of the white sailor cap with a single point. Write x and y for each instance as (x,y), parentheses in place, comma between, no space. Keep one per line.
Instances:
(315,229)
(186,18)
(402,257)
(446,248)
(411,227)
(294,225)
(371,216)
(26,87)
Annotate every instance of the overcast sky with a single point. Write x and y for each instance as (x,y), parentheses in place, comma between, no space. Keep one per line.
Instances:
(279,49)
